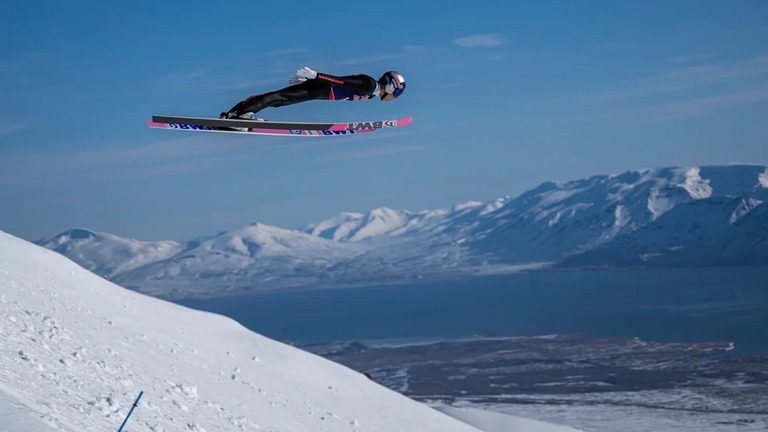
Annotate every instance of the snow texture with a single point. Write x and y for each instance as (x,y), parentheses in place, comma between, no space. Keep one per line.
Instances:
(77,350)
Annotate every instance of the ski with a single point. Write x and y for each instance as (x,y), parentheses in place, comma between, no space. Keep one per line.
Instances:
(251,124)
(272,127)
(273,132)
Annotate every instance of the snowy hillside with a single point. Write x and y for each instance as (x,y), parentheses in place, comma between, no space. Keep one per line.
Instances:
(677,208)
(702,233)
(79,349)
(354,227)
(555,221)
(257,255)
(678,216)
(106,254)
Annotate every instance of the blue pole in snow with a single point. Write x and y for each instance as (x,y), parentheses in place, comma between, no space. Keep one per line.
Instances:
(135,403)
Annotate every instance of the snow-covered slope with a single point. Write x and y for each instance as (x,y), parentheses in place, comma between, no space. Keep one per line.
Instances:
(354,227)
(107,254)
(16,417)
(724,223)
(694,233)
(257,256)
(494,421)
(77,350)
(688,216)
(383,223)
(554,221)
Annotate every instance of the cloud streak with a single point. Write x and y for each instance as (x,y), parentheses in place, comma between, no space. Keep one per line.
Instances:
(690,78)
(479,40)
(669,110)
(191,75)
(678,94)
(286,52)
(702,106)
(168,157)
(254,85)
(692,58)
(8,126)
(366,60)
(374,152)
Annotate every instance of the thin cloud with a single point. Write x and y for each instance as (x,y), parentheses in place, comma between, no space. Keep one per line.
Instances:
(7,67)
(27,60)
(375,152)
(194,153)
(286,51)
(480,40)
(167,157)
(692,58)
(697,75)
(183,79)
(677,94)
(689,78)
(367,59)
(672,110)
(8,126)
(253,84)
(186,75)
(703,106)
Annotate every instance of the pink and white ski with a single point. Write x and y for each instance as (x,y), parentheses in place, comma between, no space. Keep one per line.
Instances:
(254,127)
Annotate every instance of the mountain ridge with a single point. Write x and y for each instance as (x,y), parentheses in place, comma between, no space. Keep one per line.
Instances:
(671,216)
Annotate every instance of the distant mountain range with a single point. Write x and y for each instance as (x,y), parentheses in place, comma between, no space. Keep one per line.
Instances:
(677,216)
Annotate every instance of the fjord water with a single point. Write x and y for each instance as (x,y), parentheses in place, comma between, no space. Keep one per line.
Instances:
(661,305)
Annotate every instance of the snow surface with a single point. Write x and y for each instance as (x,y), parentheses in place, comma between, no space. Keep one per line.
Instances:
(17,417)
(107,254)
(379,222)
(620,417)
(337,227)
(744,207)
(762,179)
(493,206)
(496,421)
(78,349)
(697,187)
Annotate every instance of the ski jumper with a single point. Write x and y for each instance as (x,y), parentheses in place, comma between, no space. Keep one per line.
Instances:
(324,87)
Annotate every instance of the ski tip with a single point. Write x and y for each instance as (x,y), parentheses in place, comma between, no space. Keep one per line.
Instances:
(372,125)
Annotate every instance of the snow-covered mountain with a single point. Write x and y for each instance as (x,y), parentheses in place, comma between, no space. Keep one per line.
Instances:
(78,349)
(257,255)
(676,216)
(106,254)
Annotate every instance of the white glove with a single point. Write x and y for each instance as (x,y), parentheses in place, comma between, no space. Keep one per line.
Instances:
(306,73)
(296,80)
(389,88)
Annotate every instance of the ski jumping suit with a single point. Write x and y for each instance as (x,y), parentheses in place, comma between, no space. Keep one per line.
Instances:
(323,87)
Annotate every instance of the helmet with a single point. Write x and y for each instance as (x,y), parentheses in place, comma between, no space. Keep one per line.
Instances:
(393,80)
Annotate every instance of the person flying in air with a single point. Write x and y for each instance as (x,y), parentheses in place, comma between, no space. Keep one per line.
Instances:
(309,85)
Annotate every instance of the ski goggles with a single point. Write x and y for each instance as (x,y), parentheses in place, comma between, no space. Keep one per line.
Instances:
(399,89)
(397,86)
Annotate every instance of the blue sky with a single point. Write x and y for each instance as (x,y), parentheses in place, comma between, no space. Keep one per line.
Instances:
(504,94)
